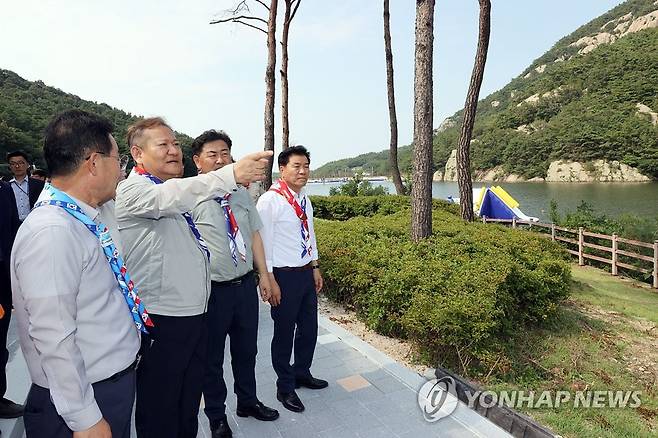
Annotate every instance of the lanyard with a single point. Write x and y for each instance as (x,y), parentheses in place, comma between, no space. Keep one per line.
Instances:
(137,309)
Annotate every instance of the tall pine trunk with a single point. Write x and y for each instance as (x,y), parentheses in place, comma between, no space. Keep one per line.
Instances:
(464,178)
(270,80)
(393,148)
(285,138)
(421,189)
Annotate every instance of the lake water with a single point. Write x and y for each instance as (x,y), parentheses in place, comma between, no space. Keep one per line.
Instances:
(610,198)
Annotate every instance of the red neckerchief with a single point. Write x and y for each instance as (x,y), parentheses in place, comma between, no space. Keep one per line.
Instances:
(284,191)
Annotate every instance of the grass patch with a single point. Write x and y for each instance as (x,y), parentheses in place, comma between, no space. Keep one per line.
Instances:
(605,337)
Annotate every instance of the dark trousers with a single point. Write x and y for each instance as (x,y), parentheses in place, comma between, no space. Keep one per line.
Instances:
(170,377)
(115,398)
(295,322)
(232,311)
(5,301)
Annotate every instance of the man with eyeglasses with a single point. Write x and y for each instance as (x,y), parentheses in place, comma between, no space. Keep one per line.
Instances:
(78,313)
(171,264)
(26,189)
(8,227)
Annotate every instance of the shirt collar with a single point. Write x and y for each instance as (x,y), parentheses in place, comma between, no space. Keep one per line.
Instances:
(13,180)
(87,209)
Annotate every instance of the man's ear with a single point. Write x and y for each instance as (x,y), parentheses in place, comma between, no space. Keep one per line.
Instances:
(91,164)
(136,153)
(197,162)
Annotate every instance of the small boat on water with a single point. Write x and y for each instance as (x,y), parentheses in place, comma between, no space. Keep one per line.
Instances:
(496,203)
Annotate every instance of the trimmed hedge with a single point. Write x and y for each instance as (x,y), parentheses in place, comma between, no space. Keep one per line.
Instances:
(465,288)
(340,208)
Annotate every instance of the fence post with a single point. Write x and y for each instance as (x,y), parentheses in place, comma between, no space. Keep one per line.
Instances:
(614,254)
(514,222)
(655,264)
(581,240)
(553,232)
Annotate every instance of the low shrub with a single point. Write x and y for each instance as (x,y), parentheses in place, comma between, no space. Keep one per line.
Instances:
(340,207)
(456,295)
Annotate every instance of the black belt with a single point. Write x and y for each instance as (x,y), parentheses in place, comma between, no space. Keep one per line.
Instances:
(117,376)
(235,282)
(306,267)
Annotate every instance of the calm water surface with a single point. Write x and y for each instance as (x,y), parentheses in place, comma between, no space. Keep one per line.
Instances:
(609,198)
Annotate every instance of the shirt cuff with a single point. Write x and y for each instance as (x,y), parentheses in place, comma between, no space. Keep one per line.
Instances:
(226,175)
(85,418)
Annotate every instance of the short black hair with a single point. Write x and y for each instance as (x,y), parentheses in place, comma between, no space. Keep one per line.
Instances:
(71,136)
(284,156)
(207,137)
(40,172)
(18,153)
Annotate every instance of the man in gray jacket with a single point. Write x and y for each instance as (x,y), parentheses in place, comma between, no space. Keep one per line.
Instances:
(170,262)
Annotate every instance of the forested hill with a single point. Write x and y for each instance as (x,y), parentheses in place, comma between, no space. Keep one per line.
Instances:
(26,107)
(592,96)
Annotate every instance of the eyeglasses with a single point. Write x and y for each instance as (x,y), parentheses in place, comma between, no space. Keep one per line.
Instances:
(17,163)
(122,159)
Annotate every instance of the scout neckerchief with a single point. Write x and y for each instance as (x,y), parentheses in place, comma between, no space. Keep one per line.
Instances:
(137,310)
(140,171)
(235,240)
(300,211)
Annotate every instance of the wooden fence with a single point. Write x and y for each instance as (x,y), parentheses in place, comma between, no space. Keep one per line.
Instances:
(576,244)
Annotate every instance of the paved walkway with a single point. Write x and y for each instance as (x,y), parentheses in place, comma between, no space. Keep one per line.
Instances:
(369,395)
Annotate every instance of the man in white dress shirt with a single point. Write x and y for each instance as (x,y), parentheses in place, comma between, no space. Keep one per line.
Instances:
(170,262)
(291,256)
(75,326)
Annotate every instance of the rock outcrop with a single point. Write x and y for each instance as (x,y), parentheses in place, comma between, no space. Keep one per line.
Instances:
(594,171)
(623,26)
(558,171)
(643,109)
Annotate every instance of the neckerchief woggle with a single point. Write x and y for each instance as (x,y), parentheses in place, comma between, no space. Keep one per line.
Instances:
(300,211)
(128,289)
(186,215)
(235,240)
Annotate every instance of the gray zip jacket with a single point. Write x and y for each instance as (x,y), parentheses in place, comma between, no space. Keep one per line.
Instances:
(163,257)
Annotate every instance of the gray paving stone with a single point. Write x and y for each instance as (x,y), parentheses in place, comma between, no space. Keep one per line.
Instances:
(361,421)
(367,395)
(339,432)
(389,385)
(377,374)
(377,432)
(290,420)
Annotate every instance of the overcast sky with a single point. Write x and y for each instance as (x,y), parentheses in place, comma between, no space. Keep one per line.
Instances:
(163,58)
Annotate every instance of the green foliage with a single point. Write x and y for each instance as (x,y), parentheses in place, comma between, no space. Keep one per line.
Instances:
(377,162)
(26,108)
(628,226)
(357,186)
(462,290)
(341,208)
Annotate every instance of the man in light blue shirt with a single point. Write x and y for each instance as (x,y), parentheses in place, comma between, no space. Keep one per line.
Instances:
(26,189)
